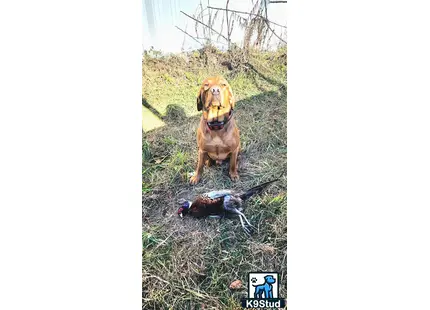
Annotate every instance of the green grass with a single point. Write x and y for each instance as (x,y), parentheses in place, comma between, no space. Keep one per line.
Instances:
(190,263)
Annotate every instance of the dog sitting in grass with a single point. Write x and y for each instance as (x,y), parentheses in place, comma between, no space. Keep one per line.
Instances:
(217,134)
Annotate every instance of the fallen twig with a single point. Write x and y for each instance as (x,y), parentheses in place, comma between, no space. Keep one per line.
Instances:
(156,277)
(164,241)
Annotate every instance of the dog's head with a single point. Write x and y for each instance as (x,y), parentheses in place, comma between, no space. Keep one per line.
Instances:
(269,279)
(215,98)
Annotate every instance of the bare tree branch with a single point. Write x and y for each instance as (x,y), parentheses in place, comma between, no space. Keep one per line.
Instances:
(273,31)
(201,13)
(262,17)
(204,24)
(222,25)
(270,37)
(277,2)
(210,21)
(241,12)
(228,24)
(189,35)
(267,29)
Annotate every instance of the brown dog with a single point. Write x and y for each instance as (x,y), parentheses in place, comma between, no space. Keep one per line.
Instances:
(217,135)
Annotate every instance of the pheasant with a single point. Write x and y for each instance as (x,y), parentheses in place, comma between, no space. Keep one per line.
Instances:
(218,203)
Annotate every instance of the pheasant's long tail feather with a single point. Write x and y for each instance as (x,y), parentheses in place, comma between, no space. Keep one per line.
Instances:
(256,190)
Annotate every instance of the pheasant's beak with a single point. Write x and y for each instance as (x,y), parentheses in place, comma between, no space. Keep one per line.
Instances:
(180,214)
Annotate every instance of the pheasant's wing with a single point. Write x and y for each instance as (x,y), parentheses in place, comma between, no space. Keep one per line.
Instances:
(218,194)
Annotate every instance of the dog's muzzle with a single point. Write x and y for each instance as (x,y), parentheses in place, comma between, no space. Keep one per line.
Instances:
(215,125)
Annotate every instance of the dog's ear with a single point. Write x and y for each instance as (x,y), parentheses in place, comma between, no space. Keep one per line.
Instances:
(199,103)
(200,99)
(230,96)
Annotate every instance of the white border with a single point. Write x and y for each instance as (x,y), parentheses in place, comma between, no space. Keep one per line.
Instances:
(70,155)
(70,159)
(358,164)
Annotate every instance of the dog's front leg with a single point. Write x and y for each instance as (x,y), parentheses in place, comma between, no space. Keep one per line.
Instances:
(234,175)
(198,173)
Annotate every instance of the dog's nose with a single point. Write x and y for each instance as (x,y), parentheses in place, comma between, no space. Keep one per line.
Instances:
(215,90)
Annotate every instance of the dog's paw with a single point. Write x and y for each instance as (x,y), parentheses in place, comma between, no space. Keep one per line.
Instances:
(194,179)
(234,176)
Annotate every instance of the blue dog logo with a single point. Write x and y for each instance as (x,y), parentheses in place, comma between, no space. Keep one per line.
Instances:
(265,289)
(264,295)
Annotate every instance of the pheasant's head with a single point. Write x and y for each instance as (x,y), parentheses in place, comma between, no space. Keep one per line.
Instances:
(184,208)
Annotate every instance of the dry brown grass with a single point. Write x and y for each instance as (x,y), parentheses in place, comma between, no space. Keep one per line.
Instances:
(190,263)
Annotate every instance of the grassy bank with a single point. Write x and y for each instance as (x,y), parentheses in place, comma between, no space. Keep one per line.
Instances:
(190,263)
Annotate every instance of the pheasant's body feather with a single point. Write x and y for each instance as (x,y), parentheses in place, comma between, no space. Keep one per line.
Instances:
(205,206)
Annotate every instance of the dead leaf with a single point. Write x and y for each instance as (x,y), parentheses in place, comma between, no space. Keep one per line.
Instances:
(268,249)
(265,248)
(236,284)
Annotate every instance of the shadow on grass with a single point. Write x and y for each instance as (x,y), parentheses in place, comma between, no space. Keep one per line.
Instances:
(281,86)
(173,111)
(151,108)
(152,118)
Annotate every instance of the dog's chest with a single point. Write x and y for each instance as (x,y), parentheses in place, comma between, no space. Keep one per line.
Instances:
(216,142)
(217,148)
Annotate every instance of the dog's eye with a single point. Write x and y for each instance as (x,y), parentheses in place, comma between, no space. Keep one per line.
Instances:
(223,84)
(206,85)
